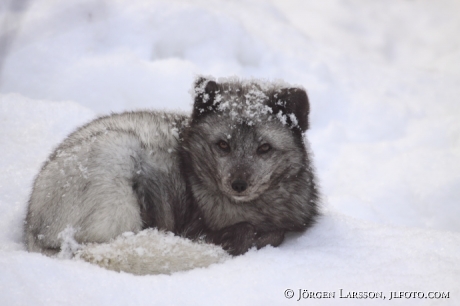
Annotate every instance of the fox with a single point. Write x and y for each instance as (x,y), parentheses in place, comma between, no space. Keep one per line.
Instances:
(236,173)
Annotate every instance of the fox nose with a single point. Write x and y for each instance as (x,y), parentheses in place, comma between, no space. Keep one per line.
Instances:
(239,185)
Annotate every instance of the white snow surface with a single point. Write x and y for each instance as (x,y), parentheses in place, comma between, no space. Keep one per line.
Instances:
(383,78)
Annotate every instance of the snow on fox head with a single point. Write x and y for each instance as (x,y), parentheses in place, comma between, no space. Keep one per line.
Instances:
(245,136)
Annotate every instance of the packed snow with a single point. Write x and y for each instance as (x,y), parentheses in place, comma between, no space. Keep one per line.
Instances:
(383,79)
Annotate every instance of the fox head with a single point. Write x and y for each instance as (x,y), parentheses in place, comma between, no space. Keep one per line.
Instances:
(245,136)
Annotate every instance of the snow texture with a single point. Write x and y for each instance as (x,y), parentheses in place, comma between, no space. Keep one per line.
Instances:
(383,78)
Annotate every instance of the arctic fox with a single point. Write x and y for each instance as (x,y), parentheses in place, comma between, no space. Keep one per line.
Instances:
(236,173)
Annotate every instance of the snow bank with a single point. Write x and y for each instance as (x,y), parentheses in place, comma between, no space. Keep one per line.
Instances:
(339,253)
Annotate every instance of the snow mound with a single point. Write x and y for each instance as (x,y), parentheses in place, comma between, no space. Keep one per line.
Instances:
(151,252)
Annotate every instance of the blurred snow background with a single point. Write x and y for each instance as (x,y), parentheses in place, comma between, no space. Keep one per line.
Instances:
(383,79)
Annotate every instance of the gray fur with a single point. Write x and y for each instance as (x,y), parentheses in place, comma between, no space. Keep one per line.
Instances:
(87,183)
(136,170)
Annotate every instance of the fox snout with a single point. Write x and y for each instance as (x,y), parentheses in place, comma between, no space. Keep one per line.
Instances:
(239,185)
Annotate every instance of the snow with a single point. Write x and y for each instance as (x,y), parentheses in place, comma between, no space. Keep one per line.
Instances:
(383,82)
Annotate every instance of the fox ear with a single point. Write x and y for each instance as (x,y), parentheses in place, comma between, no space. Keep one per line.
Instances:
(205,93)
(291,106)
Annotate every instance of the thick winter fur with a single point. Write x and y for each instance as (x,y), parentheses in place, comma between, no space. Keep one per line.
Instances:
(151,252)
(236,173)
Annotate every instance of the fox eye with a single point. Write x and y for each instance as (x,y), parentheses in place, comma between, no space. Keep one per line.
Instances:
(224,146)
(264,148)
